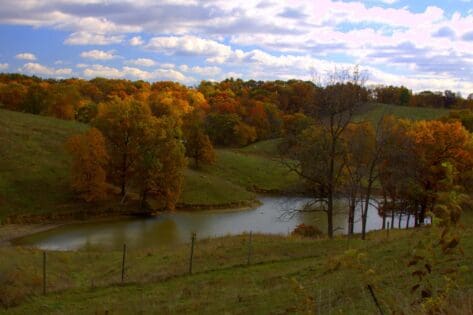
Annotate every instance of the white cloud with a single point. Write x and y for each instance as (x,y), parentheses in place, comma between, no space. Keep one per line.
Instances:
(3,66)
(389,1)
(26,56)
(136,41)
(98,54)
(188,45)
(137,74)
(203,71)
(265,38)
(36,68)
(86,38)
(144,62)
(103,71)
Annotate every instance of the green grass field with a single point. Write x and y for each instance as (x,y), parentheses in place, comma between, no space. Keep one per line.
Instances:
(374,112)
(286,275)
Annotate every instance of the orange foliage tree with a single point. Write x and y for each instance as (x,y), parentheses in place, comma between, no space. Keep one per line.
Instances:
(434,144)
(197,142)
(88,167)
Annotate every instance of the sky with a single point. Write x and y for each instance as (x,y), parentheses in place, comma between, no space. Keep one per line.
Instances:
(424,45)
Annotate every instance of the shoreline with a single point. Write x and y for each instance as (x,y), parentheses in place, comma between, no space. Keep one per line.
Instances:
(17,230)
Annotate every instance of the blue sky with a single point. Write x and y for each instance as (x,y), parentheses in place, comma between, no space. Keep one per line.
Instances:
(420,44)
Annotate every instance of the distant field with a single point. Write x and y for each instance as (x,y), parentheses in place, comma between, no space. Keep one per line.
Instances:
(374,112)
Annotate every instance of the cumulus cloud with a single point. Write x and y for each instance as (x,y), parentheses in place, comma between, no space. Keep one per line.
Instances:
(136,41)
(187,45)
(261,38)
(206,72)
(98,70)
(444,32)
(26,56)
(39,69)
(3,66)
(98,54)
(144,62)
(468,36)
(86,38)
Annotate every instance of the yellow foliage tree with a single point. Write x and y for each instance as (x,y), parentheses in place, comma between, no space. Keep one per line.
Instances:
(89,159)
(159,169)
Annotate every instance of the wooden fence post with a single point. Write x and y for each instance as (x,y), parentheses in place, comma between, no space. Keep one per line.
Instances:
(248,260)
(44,273)
(123,263)
(192,252)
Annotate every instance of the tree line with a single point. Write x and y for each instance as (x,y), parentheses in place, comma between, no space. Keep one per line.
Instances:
(406,165)
(236,112)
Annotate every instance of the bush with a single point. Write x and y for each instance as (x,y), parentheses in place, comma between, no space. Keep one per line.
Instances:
(307,231)
(16,285)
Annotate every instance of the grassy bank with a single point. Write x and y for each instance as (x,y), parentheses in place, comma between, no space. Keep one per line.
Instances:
(286,275)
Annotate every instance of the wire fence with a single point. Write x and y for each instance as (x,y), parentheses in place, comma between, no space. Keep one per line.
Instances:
(56,271)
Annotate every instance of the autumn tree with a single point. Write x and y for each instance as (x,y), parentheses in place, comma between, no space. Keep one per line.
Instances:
(318,154)
(63,100)
(359,141)
(197,142)
(89,159)
(161,162)
(122,122)
(436,143)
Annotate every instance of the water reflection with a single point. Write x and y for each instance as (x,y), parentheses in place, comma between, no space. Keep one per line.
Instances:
(173,228)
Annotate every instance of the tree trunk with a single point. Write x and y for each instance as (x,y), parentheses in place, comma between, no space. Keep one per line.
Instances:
(400,219)
(422,212)
(393,204)
(144,196)
(123,175)
(330,215)
(385,202)
(408,219)
(351,216)
(364,213)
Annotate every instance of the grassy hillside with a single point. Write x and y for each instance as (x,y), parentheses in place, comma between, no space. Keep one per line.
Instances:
(286,275)
(34,169)
(374,112)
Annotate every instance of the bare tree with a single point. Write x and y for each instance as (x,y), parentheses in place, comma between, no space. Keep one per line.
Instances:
(317,155)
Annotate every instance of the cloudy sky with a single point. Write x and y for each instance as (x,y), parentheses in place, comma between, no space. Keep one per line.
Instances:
(421,44)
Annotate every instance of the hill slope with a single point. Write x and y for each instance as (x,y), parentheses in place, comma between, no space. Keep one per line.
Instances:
(35,170)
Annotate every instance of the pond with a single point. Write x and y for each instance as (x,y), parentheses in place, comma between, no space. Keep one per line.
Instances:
(176,227)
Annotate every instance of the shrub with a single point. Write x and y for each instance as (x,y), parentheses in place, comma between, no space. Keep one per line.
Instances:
(307,231)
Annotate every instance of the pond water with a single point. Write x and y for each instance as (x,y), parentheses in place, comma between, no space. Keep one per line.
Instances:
(176,227)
